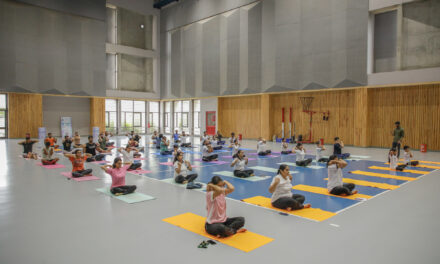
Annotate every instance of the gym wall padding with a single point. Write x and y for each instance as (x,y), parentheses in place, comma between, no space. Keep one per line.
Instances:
(362,116)
(25,112)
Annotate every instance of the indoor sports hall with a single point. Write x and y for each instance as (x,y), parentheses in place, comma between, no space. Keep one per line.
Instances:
(213,131)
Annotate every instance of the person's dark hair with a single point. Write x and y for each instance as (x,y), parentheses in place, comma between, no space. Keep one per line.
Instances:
(405,147)
(160,136)
(232,134)
(332,157)
(116,160)
(238,152)
(317,142)
(235,141)
(176,157)
(298,145)
(89,137)
(175,146)
(281,168)
(47,144)
(215,180)
(392,149)
(397,123)
(336,138)
(76,151)
(284,139)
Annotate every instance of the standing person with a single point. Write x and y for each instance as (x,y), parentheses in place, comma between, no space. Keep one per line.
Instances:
(27,147)
(51,140)
(407,156)
(398,135)
(239,165)
(77,141)
(77,159)
(301,156)
(335,185)
(262,148)
(48,158)
(217,223)
(207,152)
(319,149)
(118,171)
(285,147)
(281,190)
(92,148)
(337,149)
(67,144)
(182,169)
(128,156)
(164,146)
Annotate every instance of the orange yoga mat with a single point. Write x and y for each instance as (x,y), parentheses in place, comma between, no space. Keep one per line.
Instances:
(246,241)
(309,213)
(388,169)
(383,175)
(379,185)
(426,161)
(421,166)
(324,191)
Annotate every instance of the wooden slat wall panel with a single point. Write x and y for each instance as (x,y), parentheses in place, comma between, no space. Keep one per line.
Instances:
(97,113)
(25,114)
(417,107)
(361,117)
(339,103)
(240,115)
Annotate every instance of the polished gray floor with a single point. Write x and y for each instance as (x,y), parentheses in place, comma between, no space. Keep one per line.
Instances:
(45,218)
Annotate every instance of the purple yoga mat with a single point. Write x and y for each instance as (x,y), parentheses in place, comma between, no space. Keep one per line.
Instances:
(139,171)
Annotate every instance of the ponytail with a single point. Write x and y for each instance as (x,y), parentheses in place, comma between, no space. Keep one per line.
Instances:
(332,157)
(281,168)
(116,160)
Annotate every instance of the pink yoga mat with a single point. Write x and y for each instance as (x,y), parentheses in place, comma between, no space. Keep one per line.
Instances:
(166,163)
(85,178)
(140,158)
(139,171)
(56,166)
(101,162)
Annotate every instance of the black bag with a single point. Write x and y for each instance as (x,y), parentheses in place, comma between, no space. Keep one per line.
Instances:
(400,167)
(414,163)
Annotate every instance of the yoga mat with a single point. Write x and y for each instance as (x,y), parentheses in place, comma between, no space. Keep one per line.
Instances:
(382,175)
(267,169)
(158,154)
(379,185)
(419,166)
(309,213)
(360,157)
(246,241)
(231,174)
(138,172)
(425,161)
(56,166)
(169,163)
(388,169)
(218,162)
(140,158)
(85,178)
(171,181)
(315,167)
(324,191)
(226,157)
(128,198)
(101,162)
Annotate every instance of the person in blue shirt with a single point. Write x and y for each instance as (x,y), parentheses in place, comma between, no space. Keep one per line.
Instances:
(176,137)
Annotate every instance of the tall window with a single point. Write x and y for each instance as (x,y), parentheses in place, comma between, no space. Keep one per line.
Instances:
(196,116)
(111,110)
(153,118)
(3,116)
(132,116)
(167,117)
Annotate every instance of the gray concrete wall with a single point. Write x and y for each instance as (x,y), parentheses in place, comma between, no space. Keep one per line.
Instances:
(46,51)
(55,107)
(265,46)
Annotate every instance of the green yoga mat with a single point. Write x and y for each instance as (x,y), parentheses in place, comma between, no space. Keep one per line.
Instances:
(314,167)
(231,174)
(128,198)
(171,181)
(268,169)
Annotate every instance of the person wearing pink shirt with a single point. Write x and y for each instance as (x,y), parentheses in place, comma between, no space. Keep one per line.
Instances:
(217,223)
(118,171)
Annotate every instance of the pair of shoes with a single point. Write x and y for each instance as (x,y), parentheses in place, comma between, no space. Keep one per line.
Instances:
(205,244)
(193,185)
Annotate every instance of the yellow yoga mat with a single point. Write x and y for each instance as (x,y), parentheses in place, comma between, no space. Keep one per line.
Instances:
(246,241)
(388,169)
(421,166)
(425,161)
(379,185)
(309,213)
(324,191)
(383,175)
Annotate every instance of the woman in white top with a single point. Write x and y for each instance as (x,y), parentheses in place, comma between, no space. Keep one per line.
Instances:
(128,156)
(394,160)
(319,149)
(335,184)
(232,139)
(182,169)
(261,147)
(281,190)
(407,156)
(204,137)
(301,156)
(285,147)
(215,144)
(207,152)
(239,165)
(235,148)
(185,140)
(48,158)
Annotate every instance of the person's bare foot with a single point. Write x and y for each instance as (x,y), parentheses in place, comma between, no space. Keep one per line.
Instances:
(184,182)
(252,175)
(354,192)
(289,209)
(241,230)
(343,194)
(307,205)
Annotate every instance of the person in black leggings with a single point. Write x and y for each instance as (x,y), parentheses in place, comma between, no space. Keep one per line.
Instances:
(207,152)
(77,160)
(335,184)
(281,189)
(92,148)
(27,147)
(118,171)
(239,165)
(181,169)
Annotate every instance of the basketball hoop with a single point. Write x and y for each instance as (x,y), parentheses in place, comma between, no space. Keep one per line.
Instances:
(306,103)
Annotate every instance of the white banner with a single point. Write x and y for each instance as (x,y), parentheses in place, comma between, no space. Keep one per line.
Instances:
(66,126)
(41,135)
(95,134)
